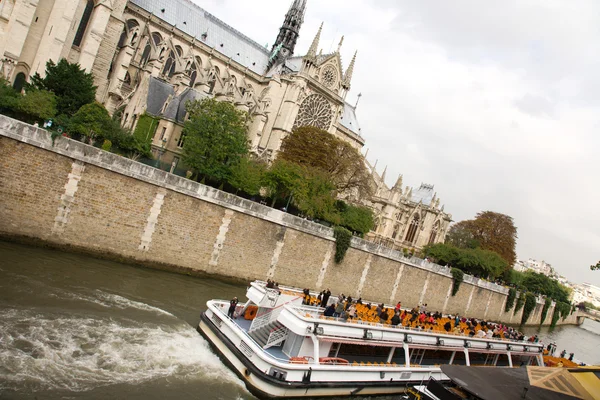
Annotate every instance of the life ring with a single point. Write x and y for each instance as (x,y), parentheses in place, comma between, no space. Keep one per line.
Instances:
(250,313)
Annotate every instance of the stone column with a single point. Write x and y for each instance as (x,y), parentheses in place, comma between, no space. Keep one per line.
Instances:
(94,35)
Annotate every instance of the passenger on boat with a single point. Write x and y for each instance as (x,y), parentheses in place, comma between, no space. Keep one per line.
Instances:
(339,308)
(396,318)
(232,304)
(398,306)
(329,311)
(352,311)
(325,299)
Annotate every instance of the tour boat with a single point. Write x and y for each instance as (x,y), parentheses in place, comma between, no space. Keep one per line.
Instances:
(281,348)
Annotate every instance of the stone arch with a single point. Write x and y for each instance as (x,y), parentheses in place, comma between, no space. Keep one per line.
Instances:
(413,228)
(434,232)
(19,81)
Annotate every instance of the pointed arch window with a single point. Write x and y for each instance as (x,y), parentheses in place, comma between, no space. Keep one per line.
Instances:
(83,23)
(412,229)
(169,68)
(213,80)
(434,232)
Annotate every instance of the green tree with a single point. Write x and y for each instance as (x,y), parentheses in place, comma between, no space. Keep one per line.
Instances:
(70,83)
(8,97)
(283,180)
(38,104)
(316,148)
(247,175)
(460,235)
(215,138)
(595,267)
(540,283)
(355,218)
(91,120)
(479,262)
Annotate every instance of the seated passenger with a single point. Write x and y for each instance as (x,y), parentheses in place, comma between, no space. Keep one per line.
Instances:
(329,311)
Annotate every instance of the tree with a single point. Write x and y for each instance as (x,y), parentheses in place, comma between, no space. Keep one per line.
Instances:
(91,120)
(70,83)
(595,267)
(540,283)
(38,104)
(215,138)
(282,180)
(479,262)
(247,175)
(8,97)
(316,148)
(461,236)
(490,231)
(355,218)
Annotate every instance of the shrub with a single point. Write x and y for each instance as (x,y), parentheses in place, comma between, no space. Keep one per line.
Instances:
(457,276)
(342,242)
(510,300)
(106,145)
(547,304)
(528,307)
(520,303)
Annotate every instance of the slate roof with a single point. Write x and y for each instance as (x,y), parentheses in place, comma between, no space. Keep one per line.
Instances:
(193,20)
(158,92)
(348,119)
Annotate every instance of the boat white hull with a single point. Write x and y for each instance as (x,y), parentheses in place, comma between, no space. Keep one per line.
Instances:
(267,387)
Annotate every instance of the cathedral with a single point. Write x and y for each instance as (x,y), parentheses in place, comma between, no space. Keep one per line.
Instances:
(150,57)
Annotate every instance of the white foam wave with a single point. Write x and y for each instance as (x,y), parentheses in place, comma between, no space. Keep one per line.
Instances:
(108,300)
(79,354)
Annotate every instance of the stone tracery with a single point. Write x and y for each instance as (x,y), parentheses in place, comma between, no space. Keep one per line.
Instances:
(314,111)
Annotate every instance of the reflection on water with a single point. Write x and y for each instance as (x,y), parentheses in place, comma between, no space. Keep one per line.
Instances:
(77,327)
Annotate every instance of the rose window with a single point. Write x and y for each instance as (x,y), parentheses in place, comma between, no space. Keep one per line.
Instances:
(314,111)
(329,76)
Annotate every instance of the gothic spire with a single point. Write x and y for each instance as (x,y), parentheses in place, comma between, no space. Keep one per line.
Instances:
(312,50)
(288,33)
(349,71)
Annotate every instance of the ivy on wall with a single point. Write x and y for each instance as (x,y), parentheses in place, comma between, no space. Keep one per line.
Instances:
(520,303)
(342,242)
(457,276)
(528,307)
(144,130)
(545,309)
(510,300)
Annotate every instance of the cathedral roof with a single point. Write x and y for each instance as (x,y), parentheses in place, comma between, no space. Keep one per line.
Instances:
(195,21)
(348,119)
(423,194)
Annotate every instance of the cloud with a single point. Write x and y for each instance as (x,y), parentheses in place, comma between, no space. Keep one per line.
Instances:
(497,104)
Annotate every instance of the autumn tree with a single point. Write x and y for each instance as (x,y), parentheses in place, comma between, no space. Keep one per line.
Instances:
(343,164)
(490,231)
(215,138)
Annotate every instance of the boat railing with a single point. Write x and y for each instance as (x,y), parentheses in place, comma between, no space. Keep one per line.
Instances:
(304,310)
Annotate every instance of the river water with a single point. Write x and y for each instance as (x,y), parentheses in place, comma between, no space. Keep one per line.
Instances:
(76,327)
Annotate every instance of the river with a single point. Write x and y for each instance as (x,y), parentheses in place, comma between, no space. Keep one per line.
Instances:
(77,327)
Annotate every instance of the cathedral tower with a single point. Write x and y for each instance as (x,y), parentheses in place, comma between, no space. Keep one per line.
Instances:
(288,33)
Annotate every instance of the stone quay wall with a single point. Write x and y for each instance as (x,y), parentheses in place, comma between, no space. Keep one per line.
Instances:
(72,195)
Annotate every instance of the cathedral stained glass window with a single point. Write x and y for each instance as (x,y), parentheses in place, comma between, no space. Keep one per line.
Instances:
(329,76)
(314,111)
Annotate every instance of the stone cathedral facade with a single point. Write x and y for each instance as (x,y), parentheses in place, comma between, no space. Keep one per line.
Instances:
(152,56)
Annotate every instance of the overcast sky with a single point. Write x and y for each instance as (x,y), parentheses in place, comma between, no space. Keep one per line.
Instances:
(495,103)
